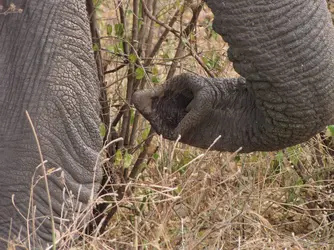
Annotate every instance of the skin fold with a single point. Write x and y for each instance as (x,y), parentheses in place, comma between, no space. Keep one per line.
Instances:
(283,51)
(47,69)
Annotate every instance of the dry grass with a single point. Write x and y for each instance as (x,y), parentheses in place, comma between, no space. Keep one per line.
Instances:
(189,200)
(193,199)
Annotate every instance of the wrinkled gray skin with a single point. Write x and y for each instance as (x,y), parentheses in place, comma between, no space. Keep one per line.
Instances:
(284,52)
(47,68)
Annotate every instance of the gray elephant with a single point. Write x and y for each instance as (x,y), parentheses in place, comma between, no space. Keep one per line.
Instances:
(47,68)
(284,52)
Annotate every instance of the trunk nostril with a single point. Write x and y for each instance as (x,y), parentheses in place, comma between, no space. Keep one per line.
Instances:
(171,107)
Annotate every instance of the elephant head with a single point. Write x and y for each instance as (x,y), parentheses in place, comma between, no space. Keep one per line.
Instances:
(47,68)
(283,51)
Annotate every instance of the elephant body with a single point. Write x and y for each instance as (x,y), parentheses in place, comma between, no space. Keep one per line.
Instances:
(283,51)
(47,69)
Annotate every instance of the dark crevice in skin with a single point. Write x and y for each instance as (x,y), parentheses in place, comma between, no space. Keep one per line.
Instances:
(172,107)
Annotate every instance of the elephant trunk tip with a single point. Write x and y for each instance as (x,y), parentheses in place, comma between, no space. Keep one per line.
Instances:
(142,99)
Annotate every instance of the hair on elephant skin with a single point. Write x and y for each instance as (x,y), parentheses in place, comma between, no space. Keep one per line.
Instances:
(47,68)
(283,51)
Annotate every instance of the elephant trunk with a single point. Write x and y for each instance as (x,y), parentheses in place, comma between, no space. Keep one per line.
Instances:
(285,51)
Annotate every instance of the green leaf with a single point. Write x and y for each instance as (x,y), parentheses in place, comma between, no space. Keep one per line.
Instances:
(178,189)
(109,29)
(118,157)
(96,47)
(237,158)
(294,154)
(119,29)
(155,156)
(280,156)
(211,60)
(184,40)
(155,79)
(145,133)
(103,130)
(132,58)
(331,129)
(300,182)
(115,48)
(127,160)
(155,71)
(132,116)
(111,48)
(129,12)
(140,73)
(165,56)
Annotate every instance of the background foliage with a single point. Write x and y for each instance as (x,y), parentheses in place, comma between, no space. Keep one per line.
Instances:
(164,195)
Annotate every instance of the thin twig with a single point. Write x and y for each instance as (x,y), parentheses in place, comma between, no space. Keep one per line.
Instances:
(123,21)
(136,168)
(161,40)
(115,69)
(131,75)
(149,38)
(185,34)
(166,26)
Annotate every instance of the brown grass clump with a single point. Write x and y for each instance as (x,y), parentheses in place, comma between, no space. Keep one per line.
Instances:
(190,199)
(193,199)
